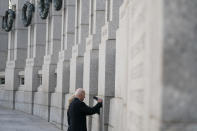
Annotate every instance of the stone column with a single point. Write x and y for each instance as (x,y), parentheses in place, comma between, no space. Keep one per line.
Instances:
(63,67)
(34,61)
(42,99)
(90,76)
(17,53)
(3,49)
(107,50)
(81,32)
(4,37)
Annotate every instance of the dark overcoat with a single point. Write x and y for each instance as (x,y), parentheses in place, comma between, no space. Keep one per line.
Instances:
(77,113)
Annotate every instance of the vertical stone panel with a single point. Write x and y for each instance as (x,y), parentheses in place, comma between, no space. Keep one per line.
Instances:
(34,61)
(4,38)
(107,48)
(17,47)
(3,50)
(92,42)
(81,32)
(66,52)
(91,55)
(131,68)
(58,100)
(49,74)
(121,73)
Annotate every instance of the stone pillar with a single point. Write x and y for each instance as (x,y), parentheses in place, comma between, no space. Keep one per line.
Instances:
(63,67)
(81,32)
(4,37)
(76,61)
(90,76)
(34,61)
(3,49)
(107,50)
(42,98)
(17,53)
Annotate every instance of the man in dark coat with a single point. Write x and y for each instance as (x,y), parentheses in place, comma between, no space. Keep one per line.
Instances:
(78,111)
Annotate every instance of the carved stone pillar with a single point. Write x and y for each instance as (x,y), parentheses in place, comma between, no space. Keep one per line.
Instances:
(3,50)
(17,53)
(90,76)
(81,32)
(34,61)
(107,50)
(42,98)
(58,101)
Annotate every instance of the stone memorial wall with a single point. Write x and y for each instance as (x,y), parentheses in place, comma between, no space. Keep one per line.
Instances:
(139,56)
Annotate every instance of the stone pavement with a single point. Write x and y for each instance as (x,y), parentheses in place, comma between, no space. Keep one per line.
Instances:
(12,120)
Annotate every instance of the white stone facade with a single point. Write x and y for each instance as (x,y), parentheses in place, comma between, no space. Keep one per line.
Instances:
(139,56)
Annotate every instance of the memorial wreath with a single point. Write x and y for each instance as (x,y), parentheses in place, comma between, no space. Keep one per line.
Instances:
(27,17)
(8,20)
(44,6)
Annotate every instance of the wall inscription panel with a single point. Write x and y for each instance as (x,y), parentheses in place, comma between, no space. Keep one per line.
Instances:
(137,62)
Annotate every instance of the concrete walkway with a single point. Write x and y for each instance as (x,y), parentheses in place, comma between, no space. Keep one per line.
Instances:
(12,120)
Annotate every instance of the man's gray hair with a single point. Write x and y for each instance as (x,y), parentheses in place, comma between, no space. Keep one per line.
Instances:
(79,91)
